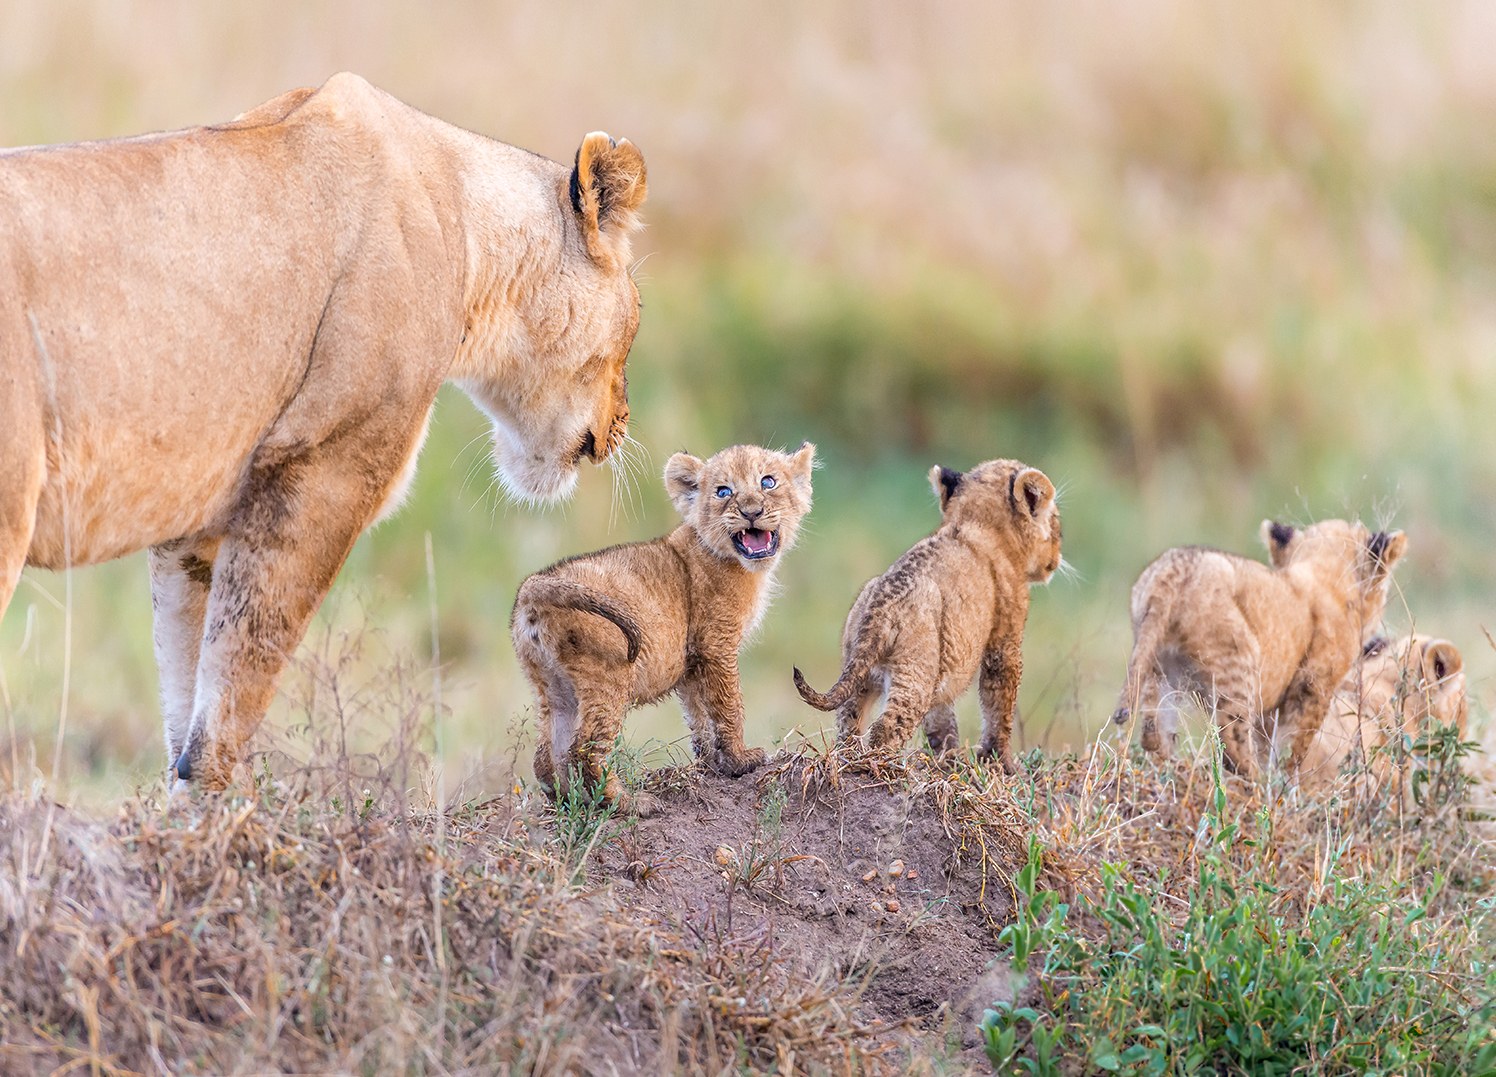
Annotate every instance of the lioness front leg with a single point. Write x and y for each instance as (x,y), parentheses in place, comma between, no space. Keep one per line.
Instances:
(997,691)
(713,701)
(181,577)
(284,548)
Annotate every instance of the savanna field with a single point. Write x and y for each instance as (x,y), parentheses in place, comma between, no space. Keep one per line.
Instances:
(1202,264)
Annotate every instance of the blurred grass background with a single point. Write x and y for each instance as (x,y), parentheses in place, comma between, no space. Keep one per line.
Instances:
(1201,262)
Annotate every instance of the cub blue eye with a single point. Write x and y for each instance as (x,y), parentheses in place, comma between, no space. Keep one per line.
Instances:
(768,482)
(724,491)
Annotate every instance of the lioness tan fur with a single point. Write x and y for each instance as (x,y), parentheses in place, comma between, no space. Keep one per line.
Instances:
(223,344)
(612,630)
(1255,644)
(955,602)
(1400,690)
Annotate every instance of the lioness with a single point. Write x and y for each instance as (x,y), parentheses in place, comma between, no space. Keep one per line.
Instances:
(1395,691)
(223,343)
(1250,640)
(956,601)
(679,609)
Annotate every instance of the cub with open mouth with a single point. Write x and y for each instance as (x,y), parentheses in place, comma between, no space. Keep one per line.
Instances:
(604,632)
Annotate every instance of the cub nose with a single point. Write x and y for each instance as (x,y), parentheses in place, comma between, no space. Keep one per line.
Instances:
(751,513)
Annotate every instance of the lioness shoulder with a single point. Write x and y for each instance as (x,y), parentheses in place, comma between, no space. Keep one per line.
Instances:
(607,631)
(955,602)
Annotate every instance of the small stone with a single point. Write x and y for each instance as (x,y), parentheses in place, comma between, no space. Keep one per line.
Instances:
(896,868)
(911,874)
(870,876)
(725,855)
(892,904)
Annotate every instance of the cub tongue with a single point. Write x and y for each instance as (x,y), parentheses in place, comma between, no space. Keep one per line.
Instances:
(755,541)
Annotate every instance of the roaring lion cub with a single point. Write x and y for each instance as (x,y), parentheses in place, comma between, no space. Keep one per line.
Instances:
(604,632)
(1396,690)
(223,344)
(956,601)
(1250,640)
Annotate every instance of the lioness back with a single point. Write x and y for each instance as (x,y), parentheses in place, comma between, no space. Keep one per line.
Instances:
(602,632)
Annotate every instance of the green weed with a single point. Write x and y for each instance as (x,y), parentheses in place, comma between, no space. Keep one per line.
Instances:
(1362,983)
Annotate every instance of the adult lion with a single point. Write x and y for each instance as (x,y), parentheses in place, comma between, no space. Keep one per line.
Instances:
(223,343)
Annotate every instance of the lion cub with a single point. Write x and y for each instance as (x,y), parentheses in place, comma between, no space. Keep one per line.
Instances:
(1250,640)
(679,608)
(1396,690)
(956,601)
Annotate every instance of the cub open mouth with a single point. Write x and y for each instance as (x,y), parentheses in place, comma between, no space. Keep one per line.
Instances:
(755,544)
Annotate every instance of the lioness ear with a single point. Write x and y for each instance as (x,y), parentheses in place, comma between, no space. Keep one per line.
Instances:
(607,187)
(944,482)
(802,463)
(1276,537)
(683,481)
(1037,490)
(1441,659)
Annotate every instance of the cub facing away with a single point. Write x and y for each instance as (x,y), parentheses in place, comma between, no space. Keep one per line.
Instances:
(679,608)
(1397,689)
(1250,640)
(954,603)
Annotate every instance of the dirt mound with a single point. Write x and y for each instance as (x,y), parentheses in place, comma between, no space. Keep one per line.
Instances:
(892,879)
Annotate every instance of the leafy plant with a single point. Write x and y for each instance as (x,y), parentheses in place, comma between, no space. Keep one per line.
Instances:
(1362,982)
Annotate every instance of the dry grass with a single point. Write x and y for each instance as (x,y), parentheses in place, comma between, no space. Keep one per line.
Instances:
(327,917)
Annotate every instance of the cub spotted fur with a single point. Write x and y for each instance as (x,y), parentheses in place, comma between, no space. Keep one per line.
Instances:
(955,602)
(1250,640)
(223,344)
(602,633)
(1396,690)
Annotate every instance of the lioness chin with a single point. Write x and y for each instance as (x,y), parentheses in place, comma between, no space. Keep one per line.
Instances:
(223,344)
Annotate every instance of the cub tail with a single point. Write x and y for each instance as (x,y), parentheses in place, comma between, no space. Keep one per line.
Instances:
(873,638)
(565,594)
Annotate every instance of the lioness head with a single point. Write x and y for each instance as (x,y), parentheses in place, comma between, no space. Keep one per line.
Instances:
(1335,546)
(1013,499)
(549,330)
(746,502)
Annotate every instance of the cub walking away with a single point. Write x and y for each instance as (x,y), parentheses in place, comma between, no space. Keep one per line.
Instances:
(608,631)
(955,602)
(1257,645)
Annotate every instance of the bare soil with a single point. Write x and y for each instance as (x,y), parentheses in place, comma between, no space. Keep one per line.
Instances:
(852,878)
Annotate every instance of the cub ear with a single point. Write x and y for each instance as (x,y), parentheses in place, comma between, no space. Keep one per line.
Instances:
(1441,659)
(1386,548)
(607,187)
(1277,538)
(802,463)
(944,482)
(683,481)
(1036,489)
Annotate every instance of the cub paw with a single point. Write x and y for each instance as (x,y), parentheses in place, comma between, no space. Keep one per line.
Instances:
(1152,742)
(737,764)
